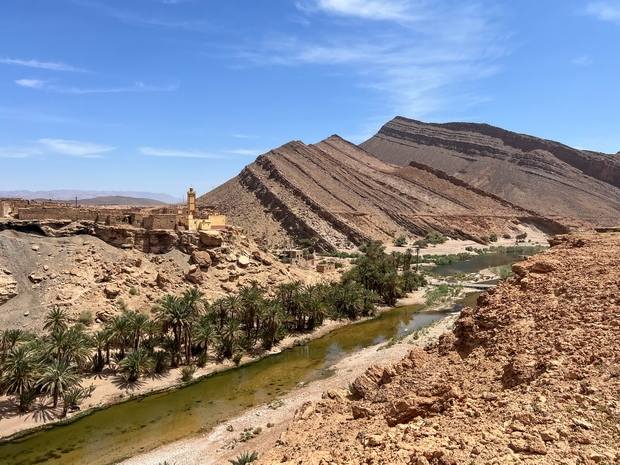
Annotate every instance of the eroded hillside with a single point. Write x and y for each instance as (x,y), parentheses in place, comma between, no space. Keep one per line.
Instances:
(82,272)
(530,376)
(577,187)
(340,195)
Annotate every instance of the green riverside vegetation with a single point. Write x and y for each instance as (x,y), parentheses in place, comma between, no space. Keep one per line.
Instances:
(185,331)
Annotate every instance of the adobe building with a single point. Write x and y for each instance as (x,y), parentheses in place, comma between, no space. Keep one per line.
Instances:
(187,217)
(325,267)
(195,218)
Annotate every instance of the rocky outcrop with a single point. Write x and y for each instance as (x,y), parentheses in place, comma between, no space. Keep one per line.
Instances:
(529,376)
(547,177)
(8,286)
(83,272)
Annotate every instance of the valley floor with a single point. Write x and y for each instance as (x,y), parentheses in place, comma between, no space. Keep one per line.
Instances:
(109,390)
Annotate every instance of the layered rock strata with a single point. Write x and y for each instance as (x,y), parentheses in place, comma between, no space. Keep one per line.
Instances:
(340,195)
(574,186)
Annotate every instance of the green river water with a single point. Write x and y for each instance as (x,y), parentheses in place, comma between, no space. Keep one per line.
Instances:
(127,429)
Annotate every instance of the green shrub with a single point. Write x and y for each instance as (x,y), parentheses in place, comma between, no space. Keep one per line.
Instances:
(506,236)
(244,458)
(86,317)
(400,241)
(493,237)
(435,237)
(133,291)
(421,243)
(187,373)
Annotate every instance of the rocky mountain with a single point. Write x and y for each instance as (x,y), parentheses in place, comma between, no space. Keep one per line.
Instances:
(574,186)
(338,194)
(529,376)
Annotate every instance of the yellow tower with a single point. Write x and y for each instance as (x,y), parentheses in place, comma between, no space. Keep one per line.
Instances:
(191,203)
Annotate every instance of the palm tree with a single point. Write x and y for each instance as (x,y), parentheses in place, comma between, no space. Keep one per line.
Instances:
(231,307)
(137,363)
(20,373)
(78,348)
(229,338)
(56,320)
(348,300)
(57,377)
(390,288)
(272,319)
(138,325)
(101,341)
(74,395)
(120,330)
(194,298)
(10,338)
(58,343)
(174,314)
(204,333)
(251,302)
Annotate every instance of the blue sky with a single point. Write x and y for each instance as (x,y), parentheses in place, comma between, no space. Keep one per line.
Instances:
(157,95)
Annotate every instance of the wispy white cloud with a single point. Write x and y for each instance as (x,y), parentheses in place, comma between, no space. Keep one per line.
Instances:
(136,87)
(246,152)
(41,64)
(367,9)
(604,11)
(425,59)
(18,152)
(176,153)
(243,136)
(149,21)
(583,60)
(34,83)
(75,148)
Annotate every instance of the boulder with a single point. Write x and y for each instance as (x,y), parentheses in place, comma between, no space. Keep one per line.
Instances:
(8,287)
(211,238)
(34,278)
(162,280)
(194,275)
(111,292)
(202,259)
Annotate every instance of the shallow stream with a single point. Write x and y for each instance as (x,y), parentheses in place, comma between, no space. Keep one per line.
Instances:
(127,429)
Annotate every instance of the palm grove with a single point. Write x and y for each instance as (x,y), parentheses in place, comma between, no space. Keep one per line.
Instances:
(185,331)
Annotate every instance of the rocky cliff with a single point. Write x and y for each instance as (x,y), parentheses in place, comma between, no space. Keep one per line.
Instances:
(340,195)
(542,175)
(532,375)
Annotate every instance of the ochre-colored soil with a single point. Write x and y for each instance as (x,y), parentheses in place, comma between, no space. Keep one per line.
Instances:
(530,376)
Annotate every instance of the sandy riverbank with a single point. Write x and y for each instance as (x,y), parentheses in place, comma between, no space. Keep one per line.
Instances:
(110,389)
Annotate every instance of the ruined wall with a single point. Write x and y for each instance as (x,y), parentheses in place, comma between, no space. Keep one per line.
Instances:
(160,222)
(57,213)
(217,221)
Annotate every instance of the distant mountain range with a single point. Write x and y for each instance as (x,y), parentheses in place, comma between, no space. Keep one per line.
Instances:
(70,195)
(116,200)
